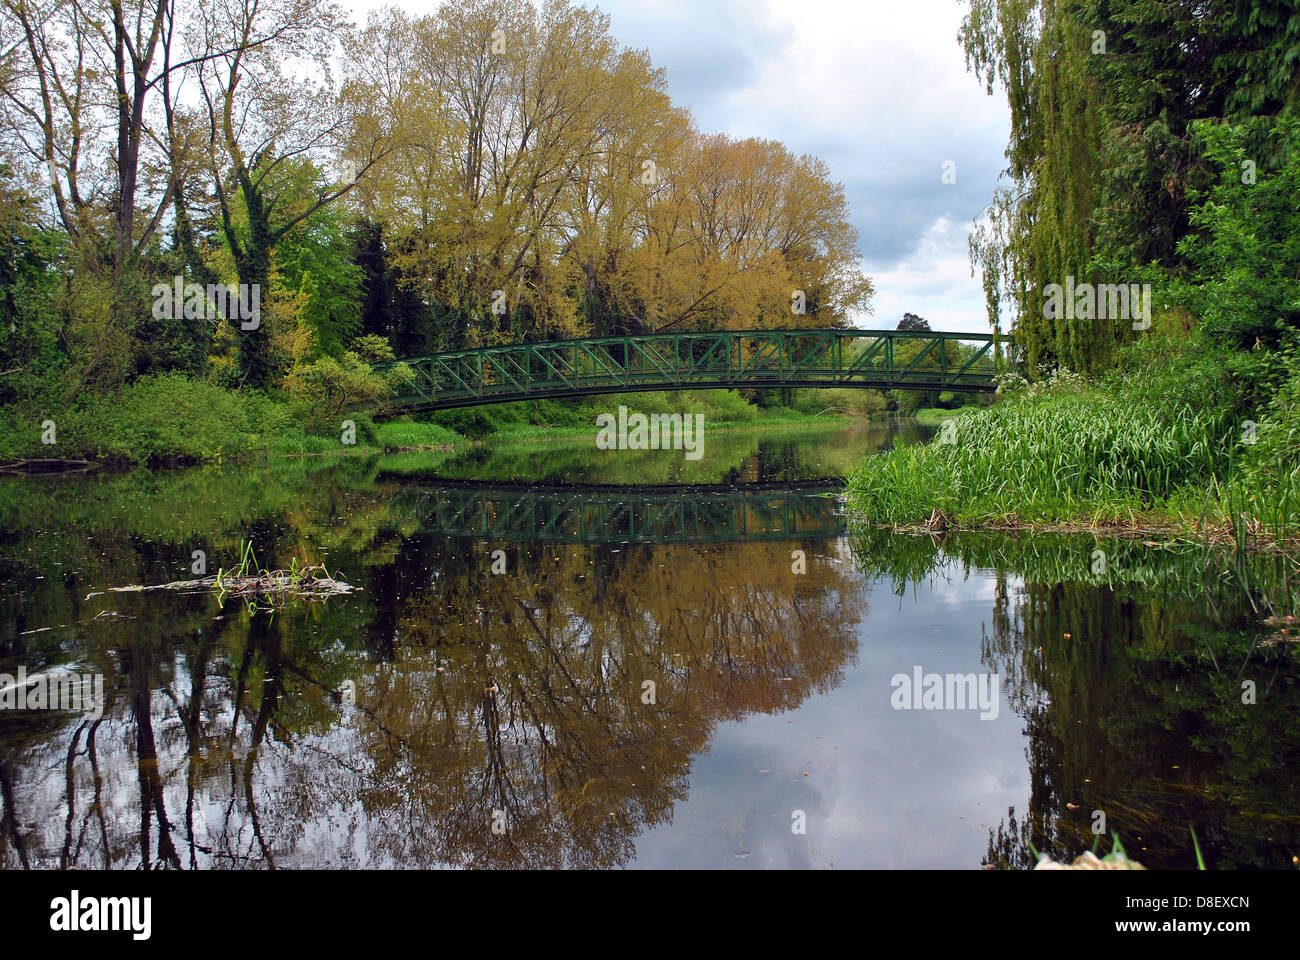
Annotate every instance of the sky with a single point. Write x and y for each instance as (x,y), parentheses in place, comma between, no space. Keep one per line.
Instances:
(878,89)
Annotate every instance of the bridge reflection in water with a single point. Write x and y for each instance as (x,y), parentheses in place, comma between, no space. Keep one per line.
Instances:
(722,513)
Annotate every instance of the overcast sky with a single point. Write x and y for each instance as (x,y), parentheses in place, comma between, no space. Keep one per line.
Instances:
(876,88)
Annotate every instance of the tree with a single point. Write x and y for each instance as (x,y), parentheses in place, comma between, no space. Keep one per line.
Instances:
(79,107)
(911,321)
(262,121)
(748,235)
(30,326)
(1105,96)
(546,187)
(1243,281)
(1038,231)
(313,268)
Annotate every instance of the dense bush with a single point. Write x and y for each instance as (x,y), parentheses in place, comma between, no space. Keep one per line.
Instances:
(169,417)
(157,417)
(1244,285)
(329,387)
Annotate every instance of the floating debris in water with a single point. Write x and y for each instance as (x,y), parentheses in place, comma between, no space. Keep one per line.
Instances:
(310,582)
(110,615)
(40,467)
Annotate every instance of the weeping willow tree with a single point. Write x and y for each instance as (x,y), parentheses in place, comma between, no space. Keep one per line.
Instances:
(1039,229)
(1104,162)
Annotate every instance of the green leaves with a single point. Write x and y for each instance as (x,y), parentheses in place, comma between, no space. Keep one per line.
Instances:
(1120,175)
(1243,257)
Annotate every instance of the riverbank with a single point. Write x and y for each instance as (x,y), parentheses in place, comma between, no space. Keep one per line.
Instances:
(171,421)
(403,436)
(1190,445)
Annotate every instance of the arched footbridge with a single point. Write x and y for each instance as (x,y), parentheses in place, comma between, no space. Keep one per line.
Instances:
(875,359)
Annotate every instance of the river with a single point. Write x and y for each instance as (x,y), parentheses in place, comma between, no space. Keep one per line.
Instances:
(561,656)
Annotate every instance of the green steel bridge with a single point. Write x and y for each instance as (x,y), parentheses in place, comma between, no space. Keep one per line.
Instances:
(525,513)
(877,359)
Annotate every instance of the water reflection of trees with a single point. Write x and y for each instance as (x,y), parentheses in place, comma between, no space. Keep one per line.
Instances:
(226,741)
(1128,679)
(831,449)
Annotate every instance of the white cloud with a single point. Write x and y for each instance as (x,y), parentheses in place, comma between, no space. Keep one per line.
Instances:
(933,281)
(880,91)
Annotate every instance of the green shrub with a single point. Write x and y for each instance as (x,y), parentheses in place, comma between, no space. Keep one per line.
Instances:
(373,348)
(166,417)
(159,417)
(1244,285)
(332,386)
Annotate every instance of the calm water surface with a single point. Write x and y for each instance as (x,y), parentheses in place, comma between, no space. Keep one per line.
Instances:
(683,664)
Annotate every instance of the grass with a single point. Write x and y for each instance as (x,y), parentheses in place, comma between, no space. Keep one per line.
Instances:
(251,581)
(1043,458)
(1116,859)
(1162,447)
(399,435)
(938,414)
(1200,860)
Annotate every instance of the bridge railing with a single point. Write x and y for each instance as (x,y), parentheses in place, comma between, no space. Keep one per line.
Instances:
(882,359)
